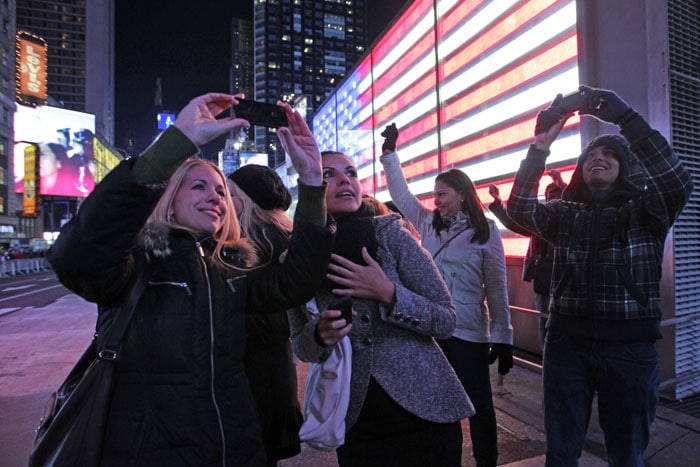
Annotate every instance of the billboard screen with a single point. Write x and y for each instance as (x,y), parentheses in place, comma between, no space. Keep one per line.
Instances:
(30,188)
(31,69)
(463,81)
(66,153)
(106,158)
(164,120)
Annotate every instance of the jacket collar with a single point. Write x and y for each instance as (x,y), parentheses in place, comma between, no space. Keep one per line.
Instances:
(161,240)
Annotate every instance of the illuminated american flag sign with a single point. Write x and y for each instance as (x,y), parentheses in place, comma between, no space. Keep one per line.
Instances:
(463,81)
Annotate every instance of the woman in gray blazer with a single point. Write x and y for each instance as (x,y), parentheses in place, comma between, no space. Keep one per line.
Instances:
(406,402)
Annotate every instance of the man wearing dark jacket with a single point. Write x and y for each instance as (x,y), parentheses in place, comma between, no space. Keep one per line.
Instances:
(608,233)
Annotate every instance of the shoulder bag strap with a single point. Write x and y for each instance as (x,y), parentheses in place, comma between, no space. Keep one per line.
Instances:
(123,318)
(447,242)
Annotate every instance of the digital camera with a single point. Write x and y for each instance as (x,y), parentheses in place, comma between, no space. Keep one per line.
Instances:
(572,102)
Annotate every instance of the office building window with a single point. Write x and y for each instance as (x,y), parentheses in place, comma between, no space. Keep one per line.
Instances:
(334,26)
(334,62)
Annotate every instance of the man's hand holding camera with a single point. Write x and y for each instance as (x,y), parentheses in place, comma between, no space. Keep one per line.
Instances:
(549,124)
(602,104)
(605,105)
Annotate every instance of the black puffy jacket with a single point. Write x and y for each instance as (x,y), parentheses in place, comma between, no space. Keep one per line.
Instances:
(181,396)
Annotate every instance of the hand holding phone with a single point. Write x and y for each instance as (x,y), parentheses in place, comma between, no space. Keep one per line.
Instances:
(261,113)
(345,306)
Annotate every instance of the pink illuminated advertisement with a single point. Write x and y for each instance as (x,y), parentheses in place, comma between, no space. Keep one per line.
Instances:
(65,140)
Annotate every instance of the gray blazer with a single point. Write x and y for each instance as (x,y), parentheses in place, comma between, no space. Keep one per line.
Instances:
(397,346)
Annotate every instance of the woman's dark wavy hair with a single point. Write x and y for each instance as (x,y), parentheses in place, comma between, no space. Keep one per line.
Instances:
(471,206)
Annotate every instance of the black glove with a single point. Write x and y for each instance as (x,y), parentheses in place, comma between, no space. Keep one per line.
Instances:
(547,118)
(605,105)
(390,134)
(504,354)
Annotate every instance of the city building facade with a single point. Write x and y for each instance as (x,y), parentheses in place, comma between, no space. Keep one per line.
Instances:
(80,37)
(80,78)
(302,49)
(8,220)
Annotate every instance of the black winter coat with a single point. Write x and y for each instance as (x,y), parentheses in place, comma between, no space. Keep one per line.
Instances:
(181,396)
(270,368)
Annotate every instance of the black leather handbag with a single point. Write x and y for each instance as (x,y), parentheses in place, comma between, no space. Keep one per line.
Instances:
(72,430)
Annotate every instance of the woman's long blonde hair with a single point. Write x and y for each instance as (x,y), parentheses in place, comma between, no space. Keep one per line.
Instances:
(253,219)
(228,235)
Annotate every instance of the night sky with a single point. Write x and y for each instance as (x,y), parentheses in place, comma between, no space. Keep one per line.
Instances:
(186,44)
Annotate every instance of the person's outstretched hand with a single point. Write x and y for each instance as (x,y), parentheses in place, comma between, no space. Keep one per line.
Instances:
(556,178)
(547,118)
(549,124)
(495,193)
(504,354)
(390,134)
(197,120)
(298,141)
(605,105)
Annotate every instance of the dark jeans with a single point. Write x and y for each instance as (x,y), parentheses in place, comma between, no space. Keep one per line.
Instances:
(470,362)
(626,378)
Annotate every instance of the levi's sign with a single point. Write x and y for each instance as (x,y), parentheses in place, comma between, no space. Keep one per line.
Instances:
(31,69)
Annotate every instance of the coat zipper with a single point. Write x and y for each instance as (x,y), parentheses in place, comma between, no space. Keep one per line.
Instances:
(184,285)
(211,355)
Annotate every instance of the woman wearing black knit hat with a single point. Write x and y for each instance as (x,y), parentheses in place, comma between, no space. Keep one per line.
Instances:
(261,199)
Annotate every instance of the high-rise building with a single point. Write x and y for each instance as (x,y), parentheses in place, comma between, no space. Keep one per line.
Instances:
(8,223)
(80,77)
(241,76)
(80,37)
(303,48)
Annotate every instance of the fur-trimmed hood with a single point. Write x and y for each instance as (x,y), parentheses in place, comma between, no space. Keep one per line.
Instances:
(156,240)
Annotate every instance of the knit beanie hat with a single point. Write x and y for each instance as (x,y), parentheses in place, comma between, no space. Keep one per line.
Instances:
(263,186)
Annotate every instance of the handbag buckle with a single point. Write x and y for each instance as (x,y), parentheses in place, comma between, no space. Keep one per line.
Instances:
(108,354)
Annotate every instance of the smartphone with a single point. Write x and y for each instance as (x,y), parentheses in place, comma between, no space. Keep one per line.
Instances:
(572,102)
(345,306)
(261,113)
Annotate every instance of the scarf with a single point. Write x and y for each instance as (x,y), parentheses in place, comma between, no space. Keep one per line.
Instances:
(354,231)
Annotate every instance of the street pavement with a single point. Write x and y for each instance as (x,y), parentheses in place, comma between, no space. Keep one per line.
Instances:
(39,345)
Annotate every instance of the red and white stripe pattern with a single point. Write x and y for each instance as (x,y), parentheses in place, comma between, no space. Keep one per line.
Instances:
(463,81)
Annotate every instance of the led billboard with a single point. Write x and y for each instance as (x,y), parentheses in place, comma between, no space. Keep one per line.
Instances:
(463,81)
(66,153)
(106,158)
(30,56)
(29,185)
(164,120)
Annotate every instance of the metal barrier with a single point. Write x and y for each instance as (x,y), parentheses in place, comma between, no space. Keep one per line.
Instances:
(15,267)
